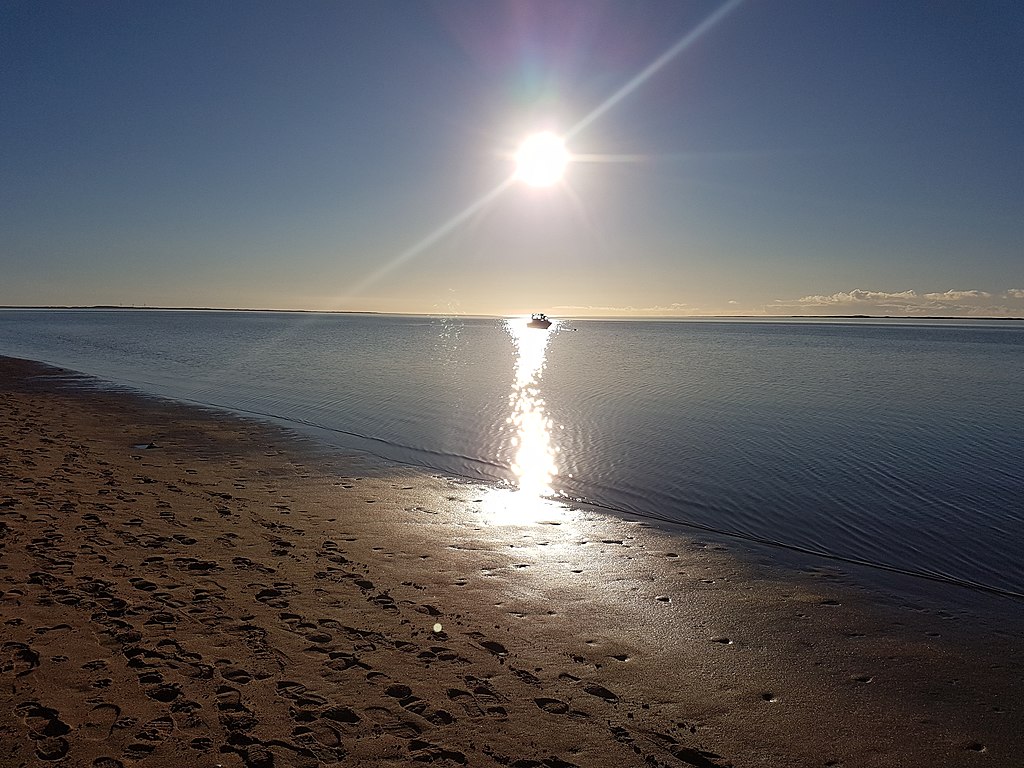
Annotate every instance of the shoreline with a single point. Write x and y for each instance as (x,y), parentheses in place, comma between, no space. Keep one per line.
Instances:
(230,596)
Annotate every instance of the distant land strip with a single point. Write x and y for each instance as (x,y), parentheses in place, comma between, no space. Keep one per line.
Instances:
(134,308)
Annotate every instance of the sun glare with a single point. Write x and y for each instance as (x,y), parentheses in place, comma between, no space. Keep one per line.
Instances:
(534,465)
(541,160)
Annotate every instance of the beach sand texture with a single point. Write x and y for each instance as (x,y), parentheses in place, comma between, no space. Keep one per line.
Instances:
(229,597)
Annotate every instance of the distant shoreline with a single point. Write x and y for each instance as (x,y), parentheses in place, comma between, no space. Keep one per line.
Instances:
(119,307)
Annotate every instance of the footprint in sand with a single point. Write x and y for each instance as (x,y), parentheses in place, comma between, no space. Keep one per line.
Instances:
(318,734)
(299,694)
(398,691)
(343,715)
(273,597)
(237,675)
(101,722)
(554,706)
(696,757)
(42,721)
(411,703)
(47,729)
(496,648)
(52,748)
(424,751)
(389,722)
(18,658)
(526,677)
(602,693)
(57,628)
(482,701)
(156,730)
(230,699)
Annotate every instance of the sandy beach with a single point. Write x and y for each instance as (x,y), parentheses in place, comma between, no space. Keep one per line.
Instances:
(181,587)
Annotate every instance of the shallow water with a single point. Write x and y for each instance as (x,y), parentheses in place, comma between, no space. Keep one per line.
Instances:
(894,443)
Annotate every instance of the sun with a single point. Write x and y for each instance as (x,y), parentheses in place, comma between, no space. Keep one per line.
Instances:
(541,160)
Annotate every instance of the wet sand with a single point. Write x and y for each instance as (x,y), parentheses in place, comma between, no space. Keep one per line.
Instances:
(180,587)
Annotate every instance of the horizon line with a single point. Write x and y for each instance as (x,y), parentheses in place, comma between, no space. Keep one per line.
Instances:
(146,308)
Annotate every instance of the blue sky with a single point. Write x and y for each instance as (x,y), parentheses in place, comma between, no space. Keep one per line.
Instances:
(799,157)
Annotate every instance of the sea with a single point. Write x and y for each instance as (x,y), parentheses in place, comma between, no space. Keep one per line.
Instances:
(892,445)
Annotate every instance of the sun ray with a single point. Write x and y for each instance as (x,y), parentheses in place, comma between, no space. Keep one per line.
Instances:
(426,242)
(586,220)
(688,39)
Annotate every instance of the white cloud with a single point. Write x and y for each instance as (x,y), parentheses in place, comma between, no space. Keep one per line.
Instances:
(907,302)
(897,303)
(958,295)
(858,296)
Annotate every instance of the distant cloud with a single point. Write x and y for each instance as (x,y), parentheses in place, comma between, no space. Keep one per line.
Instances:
(900,303)
(958,295)
(908,302)
(858,296)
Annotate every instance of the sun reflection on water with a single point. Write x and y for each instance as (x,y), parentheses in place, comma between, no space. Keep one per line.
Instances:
(534,464)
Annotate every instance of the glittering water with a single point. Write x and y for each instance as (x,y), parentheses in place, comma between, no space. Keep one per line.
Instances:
(898,444)
(534,463)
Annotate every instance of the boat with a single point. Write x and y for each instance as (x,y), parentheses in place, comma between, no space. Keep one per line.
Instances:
(538,320)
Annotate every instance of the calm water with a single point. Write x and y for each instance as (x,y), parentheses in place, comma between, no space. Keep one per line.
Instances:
(898,444)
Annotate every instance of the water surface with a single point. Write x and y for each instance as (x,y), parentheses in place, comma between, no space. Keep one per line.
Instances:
(895,443)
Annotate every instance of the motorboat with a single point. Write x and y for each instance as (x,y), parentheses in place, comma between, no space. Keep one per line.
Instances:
(538,320)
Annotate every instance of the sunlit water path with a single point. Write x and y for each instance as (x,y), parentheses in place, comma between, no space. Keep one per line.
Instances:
(534,464)
(894,444)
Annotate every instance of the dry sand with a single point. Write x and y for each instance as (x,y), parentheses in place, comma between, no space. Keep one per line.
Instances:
(229,597)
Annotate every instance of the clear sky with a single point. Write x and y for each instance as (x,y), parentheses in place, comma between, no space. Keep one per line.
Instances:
(795,157)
